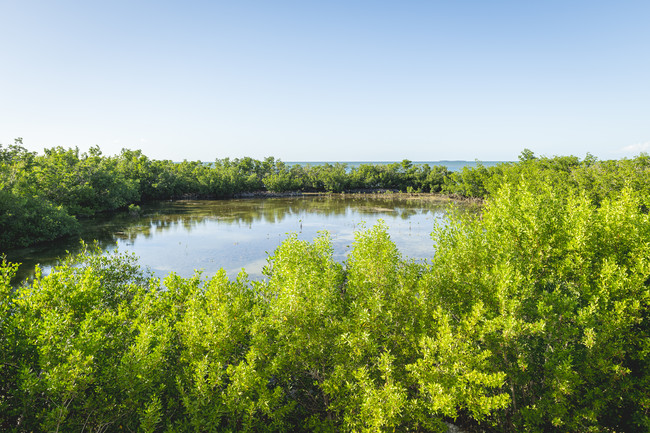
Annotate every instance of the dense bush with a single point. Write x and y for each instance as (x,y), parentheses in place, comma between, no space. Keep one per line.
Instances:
(26,220)
(565,284)
(532,316)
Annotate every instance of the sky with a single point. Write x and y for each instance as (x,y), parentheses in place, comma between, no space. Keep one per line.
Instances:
(332,80)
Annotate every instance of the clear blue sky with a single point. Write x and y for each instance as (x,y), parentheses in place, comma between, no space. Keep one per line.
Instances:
(328,80)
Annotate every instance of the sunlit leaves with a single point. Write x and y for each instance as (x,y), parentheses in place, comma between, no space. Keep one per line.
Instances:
(565,286)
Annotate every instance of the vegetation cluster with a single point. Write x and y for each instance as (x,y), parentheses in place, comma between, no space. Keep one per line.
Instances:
(532,316)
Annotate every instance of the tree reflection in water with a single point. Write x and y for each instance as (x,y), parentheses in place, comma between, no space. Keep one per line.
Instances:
(208,235)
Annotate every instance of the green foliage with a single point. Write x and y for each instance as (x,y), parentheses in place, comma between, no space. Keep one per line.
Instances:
(318,346)
(468,182)
(531,316)
(13,349)
(92,349)
(215,333)
(83,184)
(26,220)
(279,178)
(564,284)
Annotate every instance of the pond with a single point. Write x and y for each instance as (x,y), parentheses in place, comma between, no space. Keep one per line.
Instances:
(208,235)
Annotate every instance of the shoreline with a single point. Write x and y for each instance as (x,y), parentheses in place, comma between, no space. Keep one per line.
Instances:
(370,193)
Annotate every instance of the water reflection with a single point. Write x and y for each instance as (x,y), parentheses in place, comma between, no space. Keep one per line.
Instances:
(208,235)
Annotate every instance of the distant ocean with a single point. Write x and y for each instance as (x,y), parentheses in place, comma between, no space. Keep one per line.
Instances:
(451,165)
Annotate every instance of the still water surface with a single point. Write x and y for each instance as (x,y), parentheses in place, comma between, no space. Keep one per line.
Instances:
(208,235)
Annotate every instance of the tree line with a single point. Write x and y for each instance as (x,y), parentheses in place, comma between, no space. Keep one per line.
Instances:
(42,196)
